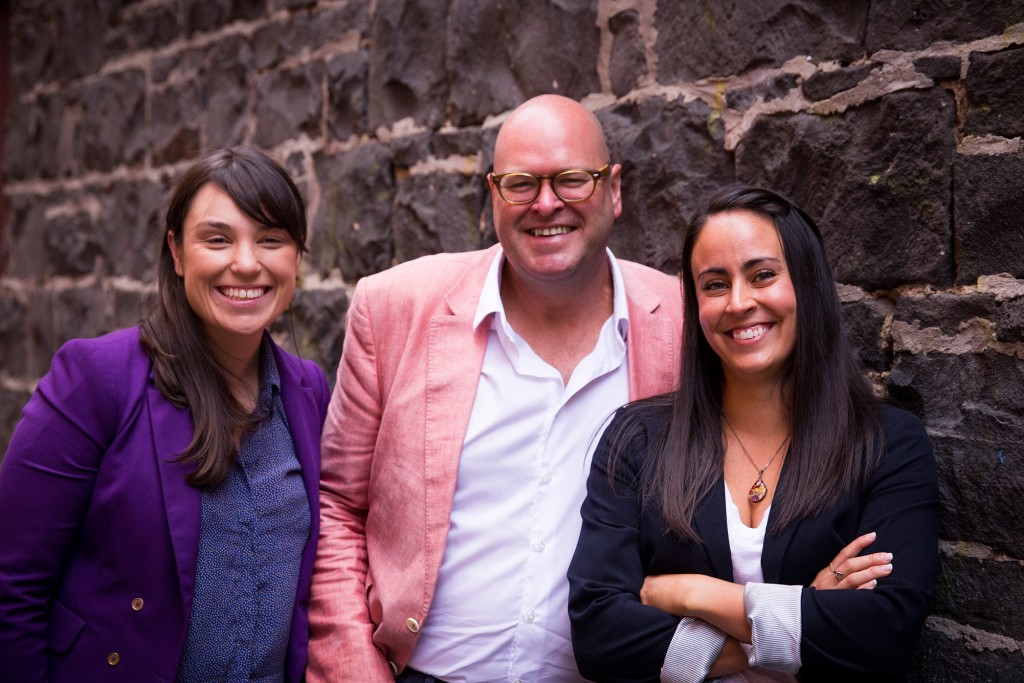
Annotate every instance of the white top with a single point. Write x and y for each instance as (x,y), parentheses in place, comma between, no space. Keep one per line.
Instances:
(500,609)
(773,611)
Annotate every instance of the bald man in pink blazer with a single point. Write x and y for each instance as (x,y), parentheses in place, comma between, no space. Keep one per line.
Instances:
(408,380)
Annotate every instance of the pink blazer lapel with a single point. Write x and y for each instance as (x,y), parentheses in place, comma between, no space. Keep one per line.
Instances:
(455,355)
(653,341)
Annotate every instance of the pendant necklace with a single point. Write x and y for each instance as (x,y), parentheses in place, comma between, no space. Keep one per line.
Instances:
(759,490)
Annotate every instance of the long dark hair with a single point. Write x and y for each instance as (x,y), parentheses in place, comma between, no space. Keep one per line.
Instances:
(837,429)
(184,369)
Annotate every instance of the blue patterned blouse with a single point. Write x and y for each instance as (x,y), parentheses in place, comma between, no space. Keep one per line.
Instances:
(254,526)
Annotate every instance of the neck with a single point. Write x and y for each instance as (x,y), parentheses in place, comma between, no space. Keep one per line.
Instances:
(757,408)
(241,367)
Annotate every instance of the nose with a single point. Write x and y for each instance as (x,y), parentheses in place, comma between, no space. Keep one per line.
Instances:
(547,202)
(741,298)
(245,260)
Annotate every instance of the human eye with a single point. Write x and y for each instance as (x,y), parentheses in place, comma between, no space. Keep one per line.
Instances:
(573,179)
(713,286)
(764,275)
(519,183)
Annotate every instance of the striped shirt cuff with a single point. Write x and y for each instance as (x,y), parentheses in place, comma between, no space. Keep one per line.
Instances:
(773,611)
(694,648)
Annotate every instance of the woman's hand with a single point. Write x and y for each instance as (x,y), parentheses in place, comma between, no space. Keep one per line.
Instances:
(848,570)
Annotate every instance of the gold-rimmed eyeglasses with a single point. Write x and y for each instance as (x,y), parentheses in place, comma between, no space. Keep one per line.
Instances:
(573,185)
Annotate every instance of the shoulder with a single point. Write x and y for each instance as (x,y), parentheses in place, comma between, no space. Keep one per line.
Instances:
(109,353)
(907,445)
(305,371)
(638,424)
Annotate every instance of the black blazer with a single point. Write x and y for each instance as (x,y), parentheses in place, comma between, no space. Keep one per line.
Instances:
(846,634)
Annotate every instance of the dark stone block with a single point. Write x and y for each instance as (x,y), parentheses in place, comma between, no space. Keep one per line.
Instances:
(467,142)
(275,42)
(987,205)
(774,88)
(877,179)
(864,320)
(438,212)
(24,237)
(346,93)
(79,312)
(187,61)
(824,84)
(974,591)
(333,22)
(1010,322)
(111,107)
(942,658)
(411,149)
(289,103)
(319,319)
(995,106)
(132,230)
(225,82)
(351,228)
(944,310)
(293,4)
(148,29)
(973,407)
(939,68)
(13,358)
(11,403)
(32,138)
(78,50)
(209,15)
(33,43)
(130,307)
(517,52)
(628,63)
(916,24)
(697,40)
(174,123)
(70,244)
(671,154)
(40,333)
(407,65)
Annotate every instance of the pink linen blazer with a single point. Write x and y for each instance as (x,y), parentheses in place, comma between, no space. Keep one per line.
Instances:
(392,441)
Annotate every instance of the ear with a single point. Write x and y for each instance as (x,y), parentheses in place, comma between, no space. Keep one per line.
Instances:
(175,253)
(614,182)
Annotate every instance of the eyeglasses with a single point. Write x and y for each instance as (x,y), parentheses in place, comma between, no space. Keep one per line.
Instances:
(574,185)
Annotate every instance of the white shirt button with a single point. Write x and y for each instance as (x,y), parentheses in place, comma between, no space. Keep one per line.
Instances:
(530,616)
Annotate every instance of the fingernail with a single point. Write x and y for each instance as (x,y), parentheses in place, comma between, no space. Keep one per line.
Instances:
(888,557)
(871,584)
(887,568)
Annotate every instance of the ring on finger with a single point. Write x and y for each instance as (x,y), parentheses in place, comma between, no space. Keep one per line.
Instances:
(838,574)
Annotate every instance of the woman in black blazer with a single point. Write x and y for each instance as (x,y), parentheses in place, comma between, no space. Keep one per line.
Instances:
(726,527)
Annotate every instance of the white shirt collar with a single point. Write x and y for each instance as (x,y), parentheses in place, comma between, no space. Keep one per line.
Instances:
(490,298)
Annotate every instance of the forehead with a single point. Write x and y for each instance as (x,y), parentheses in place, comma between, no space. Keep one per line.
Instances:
(545,141)
(735,237)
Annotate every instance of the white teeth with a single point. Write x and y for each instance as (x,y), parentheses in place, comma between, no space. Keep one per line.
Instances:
(244,294)
(750,332)
(550,232)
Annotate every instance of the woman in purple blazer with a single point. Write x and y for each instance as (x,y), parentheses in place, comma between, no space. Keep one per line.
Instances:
(158,499)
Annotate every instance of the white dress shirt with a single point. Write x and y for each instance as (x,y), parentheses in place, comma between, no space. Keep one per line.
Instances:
(499,611)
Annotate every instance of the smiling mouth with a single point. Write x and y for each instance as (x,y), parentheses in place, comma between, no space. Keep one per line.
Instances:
(243,293)
(748,333)
(552,231)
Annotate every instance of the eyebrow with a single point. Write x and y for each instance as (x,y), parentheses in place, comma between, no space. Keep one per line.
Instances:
(747,265)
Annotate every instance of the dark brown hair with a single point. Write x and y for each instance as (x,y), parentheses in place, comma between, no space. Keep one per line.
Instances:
(184,369)
(837,429)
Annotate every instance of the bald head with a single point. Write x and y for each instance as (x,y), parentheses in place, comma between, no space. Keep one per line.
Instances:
(557,124)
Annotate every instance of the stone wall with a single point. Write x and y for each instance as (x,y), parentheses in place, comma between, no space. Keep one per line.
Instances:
(896,123)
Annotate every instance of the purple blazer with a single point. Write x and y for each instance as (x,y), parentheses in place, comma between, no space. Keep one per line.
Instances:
(99,532)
